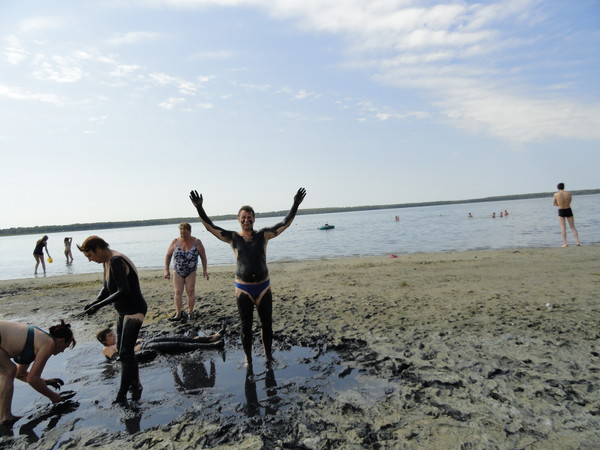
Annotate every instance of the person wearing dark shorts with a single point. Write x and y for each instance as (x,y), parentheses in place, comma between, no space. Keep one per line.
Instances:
(562,200)
(252,284)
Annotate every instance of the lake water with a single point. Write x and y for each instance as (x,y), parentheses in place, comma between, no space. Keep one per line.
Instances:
(530,223)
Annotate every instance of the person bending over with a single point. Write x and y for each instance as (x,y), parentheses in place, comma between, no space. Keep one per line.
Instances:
(27,346)
(121,288)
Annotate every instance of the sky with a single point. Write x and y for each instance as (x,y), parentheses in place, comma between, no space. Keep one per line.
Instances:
(114,110)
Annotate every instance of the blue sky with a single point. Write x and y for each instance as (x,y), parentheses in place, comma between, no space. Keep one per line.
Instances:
(114,110)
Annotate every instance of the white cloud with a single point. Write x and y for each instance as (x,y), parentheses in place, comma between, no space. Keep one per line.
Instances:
(171,103)
(134,37)
(19,94)
(34,24)
(14,51)
(61,69)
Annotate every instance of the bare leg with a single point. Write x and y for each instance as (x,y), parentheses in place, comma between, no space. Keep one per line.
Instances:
(563,230)
(190,291)
(573,229)
(178,284)
(8,371)
(265,315)
(37,263)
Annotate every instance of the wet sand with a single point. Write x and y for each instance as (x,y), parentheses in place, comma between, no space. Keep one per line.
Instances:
(487,349)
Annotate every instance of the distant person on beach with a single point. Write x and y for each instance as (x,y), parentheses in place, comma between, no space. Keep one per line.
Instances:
(185,251)
(68,253)
(470,216)
(27,345)
(38,253)
(121,287)
(562,200)
(252,284)
(147,349)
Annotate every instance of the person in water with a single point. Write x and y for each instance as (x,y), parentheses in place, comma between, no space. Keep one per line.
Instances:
(68,252)
(38,253)
(121,288)
(185,251)
(252,284)
(562,200)
(147,349)
(27,346)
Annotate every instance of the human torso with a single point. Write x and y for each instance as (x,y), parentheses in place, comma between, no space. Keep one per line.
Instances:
(39,248)
(562,199)
(251,257)
(131,301)
(185,260)
(28,352)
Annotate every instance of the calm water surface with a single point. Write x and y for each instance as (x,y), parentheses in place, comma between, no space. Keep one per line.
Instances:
(530,223)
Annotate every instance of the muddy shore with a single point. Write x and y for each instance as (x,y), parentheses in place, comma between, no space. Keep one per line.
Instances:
(486,349)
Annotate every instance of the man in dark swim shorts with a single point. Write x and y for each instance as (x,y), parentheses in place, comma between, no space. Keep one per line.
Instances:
(252,284)
(562,199)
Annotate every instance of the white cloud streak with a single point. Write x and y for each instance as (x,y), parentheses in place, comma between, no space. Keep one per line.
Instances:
(413,44)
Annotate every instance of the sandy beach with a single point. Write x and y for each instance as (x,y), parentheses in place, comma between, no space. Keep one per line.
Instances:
(473,350)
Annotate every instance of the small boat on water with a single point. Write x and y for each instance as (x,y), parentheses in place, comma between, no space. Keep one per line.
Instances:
(327,227)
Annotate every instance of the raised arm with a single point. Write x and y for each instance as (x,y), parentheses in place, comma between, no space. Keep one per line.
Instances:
(276,230)
(218,232)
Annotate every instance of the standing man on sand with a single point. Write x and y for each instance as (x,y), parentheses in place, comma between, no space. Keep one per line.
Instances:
(562,199)
(252,284)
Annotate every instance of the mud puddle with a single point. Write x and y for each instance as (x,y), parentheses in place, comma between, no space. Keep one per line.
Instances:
(213,383)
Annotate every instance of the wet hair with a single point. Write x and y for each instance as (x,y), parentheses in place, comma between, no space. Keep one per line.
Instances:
(101,336)
(44,238)
(93,243)
(63,331)
(560,186)
(248,209)
(185,226)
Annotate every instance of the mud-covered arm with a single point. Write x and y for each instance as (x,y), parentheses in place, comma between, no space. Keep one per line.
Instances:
(277,229)
(218,232)
(118,275)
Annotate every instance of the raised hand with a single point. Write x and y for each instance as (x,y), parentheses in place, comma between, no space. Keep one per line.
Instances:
(196,199)
(299,197)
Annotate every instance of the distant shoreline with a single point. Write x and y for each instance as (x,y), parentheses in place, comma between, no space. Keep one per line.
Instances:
(15,231)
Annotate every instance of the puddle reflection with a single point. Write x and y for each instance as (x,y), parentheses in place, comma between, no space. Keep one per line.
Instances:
(173,384)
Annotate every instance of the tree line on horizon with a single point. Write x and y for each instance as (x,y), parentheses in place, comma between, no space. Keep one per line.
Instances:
(176,220)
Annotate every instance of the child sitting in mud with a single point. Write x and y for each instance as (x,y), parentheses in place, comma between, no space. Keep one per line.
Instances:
(147,350)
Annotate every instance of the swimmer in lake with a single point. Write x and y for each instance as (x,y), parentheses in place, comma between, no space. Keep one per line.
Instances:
(562,200)
(252,284)
(28,345)
(147,350)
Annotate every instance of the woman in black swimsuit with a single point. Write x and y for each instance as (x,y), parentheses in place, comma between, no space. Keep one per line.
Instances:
(38,253)
(27,345)
(121,288)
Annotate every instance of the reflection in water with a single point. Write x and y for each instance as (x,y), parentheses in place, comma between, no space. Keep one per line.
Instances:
(52,414)
(132,419)
(194,375)
(173,385)
(252,403)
